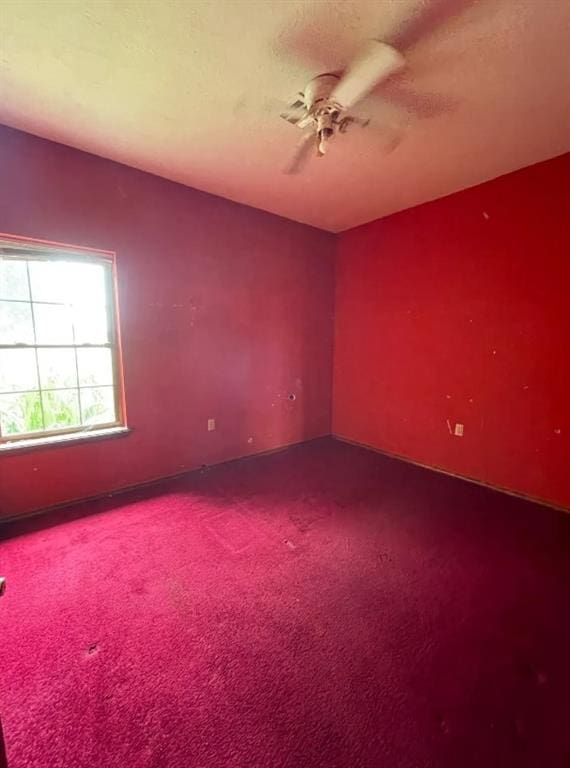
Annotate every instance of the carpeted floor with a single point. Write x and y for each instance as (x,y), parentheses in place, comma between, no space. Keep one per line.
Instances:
(322,607)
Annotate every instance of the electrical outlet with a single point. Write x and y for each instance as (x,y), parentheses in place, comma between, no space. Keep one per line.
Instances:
(459,430)
(211,425)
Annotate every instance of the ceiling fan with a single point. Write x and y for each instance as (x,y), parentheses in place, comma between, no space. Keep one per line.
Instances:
(324,106)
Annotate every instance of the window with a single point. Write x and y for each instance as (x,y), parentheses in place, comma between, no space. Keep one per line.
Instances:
(59,356)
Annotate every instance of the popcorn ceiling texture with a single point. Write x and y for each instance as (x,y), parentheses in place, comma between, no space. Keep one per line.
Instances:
(192,92)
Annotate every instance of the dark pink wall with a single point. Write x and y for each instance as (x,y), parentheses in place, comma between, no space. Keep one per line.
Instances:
(459,311)
(225,310)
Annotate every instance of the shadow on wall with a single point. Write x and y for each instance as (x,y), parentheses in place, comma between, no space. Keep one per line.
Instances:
(224,310)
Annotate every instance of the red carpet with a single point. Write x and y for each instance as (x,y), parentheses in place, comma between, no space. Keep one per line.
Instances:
(322,607)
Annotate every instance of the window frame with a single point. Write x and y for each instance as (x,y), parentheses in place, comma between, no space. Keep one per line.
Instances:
(28,249)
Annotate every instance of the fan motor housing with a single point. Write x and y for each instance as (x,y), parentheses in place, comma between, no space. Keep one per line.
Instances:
(319,89)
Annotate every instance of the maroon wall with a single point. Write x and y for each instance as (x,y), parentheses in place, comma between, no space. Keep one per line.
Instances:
(459,311)
(225,311)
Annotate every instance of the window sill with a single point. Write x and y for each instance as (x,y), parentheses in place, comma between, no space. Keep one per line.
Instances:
(57,441)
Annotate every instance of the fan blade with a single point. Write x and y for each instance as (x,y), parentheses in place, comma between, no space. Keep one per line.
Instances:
(376,62)
(325,40)
(301,118)
(389,138)
(293,116)
(302,154)
(423,105)
(386,127)
(427,20)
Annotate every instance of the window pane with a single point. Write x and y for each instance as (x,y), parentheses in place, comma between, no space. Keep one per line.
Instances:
(89,284)
(68,282)
(95,366)
(14,280)
(48,281)
(21,413)
(90,323)
(16,325)
(57,368)
(61,409)
(18,370)
(53,324)
(98,405)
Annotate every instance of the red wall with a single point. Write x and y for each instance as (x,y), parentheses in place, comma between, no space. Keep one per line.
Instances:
(225,310)
(459,310)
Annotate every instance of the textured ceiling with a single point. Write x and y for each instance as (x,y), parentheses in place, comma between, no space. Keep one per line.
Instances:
(191,91)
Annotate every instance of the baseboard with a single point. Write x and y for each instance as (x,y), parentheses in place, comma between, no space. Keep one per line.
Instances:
(157,480)
(441,471)
(150,482)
